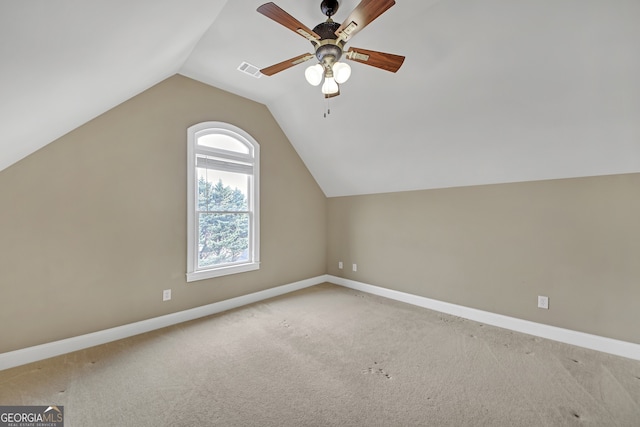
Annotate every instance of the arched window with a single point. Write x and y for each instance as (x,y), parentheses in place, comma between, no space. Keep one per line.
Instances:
(223,201)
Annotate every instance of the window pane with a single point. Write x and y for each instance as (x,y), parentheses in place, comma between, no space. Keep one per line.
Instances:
(222,191)
(222,239)
(225,142)
(223,201)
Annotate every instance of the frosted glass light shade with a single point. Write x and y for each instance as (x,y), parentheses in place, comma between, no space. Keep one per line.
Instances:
(341,72)
(314,74)
(330,86)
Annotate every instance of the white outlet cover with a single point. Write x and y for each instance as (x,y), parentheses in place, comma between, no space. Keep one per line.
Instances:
(166,295)
(355,267)
(543,302)
(340,265)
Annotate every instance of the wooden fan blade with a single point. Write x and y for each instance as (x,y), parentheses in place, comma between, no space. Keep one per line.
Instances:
(385,61)
(281,66)
(362,15)
(271,10)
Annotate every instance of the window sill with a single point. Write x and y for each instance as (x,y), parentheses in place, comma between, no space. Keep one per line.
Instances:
(221,271)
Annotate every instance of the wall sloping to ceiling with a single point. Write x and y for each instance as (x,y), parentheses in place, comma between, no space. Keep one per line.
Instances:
(93,225)
(93,229)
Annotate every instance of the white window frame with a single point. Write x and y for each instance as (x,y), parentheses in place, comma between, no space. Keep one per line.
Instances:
(253,159)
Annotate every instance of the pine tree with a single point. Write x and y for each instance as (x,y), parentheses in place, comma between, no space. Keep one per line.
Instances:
(224,223)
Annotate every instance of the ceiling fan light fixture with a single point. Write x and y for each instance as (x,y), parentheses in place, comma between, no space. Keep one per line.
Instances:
(330,86)
(328,39)
(314,74)
(341,72)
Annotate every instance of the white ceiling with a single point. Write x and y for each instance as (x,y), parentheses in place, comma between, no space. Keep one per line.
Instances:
(491,91)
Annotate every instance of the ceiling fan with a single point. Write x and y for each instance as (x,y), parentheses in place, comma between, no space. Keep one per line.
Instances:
(328,39)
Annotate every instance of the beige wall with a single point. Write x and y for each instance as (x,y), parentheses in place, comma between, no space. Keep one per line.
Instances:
(93,226)
(498,247)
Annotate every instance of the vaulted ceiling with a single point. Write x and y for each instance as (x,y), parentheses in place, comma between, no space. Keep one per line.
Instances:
(491,91)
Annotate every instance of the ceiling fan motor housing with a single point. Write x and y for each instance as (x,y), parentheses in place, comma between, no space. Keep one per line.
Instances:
(327,30)
(329,42)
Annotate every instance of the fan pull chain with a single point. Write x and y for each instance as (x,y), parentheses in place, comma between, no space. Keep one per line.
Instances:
(328,109)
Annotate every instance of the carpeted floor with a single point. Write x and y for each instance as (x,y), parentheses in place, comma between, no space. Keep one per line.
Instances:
(330,356)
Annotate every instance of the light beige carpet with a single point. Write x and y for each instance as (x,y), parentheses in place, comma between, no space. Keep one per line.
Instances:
(329,356)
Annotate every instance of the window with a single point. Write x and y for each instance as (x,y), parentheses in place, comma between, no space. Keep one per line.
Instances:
(223,204)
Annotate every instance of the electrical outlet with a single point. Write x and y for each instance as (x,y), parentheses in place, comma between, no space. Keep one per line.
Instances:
(543,302)
(340,265)
(166,295)
(355,267)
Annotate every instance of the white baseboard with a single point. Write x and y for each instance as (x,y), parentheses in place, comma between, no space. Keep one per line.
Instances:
(567,336)
(56,348)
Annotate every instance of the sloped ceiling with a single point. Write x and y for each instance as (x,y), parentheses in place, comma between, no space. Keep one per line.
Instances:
(491,91)
(63,62)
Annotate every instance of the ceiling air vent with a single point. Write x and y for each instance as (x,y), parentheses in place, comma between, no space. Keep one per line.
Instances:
(252,70)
